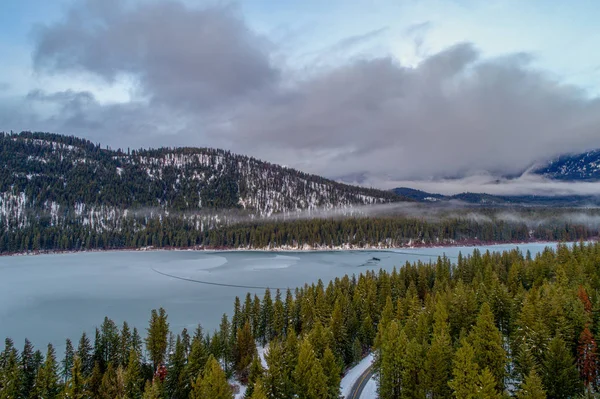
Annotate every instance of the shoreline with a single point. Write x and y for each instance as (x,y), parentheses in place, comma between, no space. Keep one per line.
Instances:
(291,249)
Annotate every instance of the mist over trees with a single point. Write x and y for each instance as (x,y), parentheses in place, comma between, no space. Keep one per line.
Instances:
(65,193)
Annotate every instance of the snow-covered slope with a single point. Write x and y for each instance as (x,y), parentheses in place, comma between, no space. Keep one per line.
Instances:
(72,179)
(585,166)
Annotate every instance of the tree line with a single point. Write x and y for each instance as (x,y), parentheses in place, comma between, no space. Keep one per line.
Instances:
(491,325)
(360,232)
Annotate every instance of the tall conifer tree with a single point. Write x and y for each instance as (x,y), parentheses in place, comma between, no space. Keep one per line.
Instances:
(157,337)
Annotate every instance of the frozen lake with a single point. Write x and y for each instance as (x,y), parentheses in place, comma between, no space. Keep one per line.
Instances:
(48,298)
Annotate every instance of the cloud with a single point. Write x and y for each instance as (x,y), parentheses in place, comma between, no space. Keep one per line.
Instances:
(355,40)
(202,77)
(417,33)
(456,113)
(181,56)
(484,183)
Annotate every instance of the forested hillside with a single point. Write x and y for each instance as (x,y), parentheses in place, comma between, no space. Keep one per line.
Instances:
(63,193)
(70,177)
(488,325)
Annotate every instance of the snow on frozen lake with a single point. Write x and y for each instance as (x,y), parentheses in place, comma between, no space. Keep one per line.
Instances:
(48,298)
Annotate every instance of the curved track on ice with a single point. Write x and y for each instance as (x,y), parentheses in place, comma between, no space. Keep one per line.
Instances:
(251,287)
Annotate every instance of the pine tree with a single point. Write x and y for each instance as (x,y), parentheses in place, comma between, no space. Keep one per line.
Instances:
(525,361)
(176,384)
(224,348)
(212,383)
(487,386)
(387,315)
(291,316)
(332,372)
(278,379)
(560,375)
(152,390)
(237,320)
(585,299)
(10,374)
(109,338)
(84,352)
(367,332)
(136,342)
(465,373)
(258,391)
(76,386)
(311,382)
(266,318)
(244,351)
(412,371)
(532,387)
(186,341)
(157,338)
(125,344)
(255,316)
(308,316)
(46,383)
(322,306)
(357,351)
(291,346)
(133,377)
(586,357)
(29,369)
(531,336)
(391,350)
(438,359)
(255,374)
(320,338)
(279,319)
(68,361)
(486,341)
(462,309)
(95,380)
(197,359)
(109,388)
(338,329)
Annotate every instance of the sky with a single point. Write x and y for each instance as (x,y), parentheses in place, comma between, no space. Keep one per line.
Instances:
(433,94)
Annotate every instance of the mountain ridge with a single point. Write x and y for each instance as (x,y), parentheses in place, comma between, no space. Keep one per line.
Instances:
(72,177)
(583,166)
(485,199)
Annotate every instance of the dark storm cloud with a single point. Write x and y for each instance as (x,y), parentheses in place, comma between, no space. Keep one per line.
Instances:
(185,57)
(206,79)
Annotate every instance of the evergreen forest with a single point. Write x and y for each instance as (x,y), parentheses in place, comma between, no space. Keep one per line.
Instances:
(356,232)
(489,325)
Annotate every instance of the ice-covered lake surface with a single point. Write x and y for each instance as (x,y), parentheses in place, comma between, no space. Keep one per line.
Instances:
(48,298)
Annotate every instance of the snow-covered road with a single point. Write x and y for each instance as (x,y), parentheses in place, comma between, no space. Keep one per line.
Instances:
(352,376)
(370,391)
